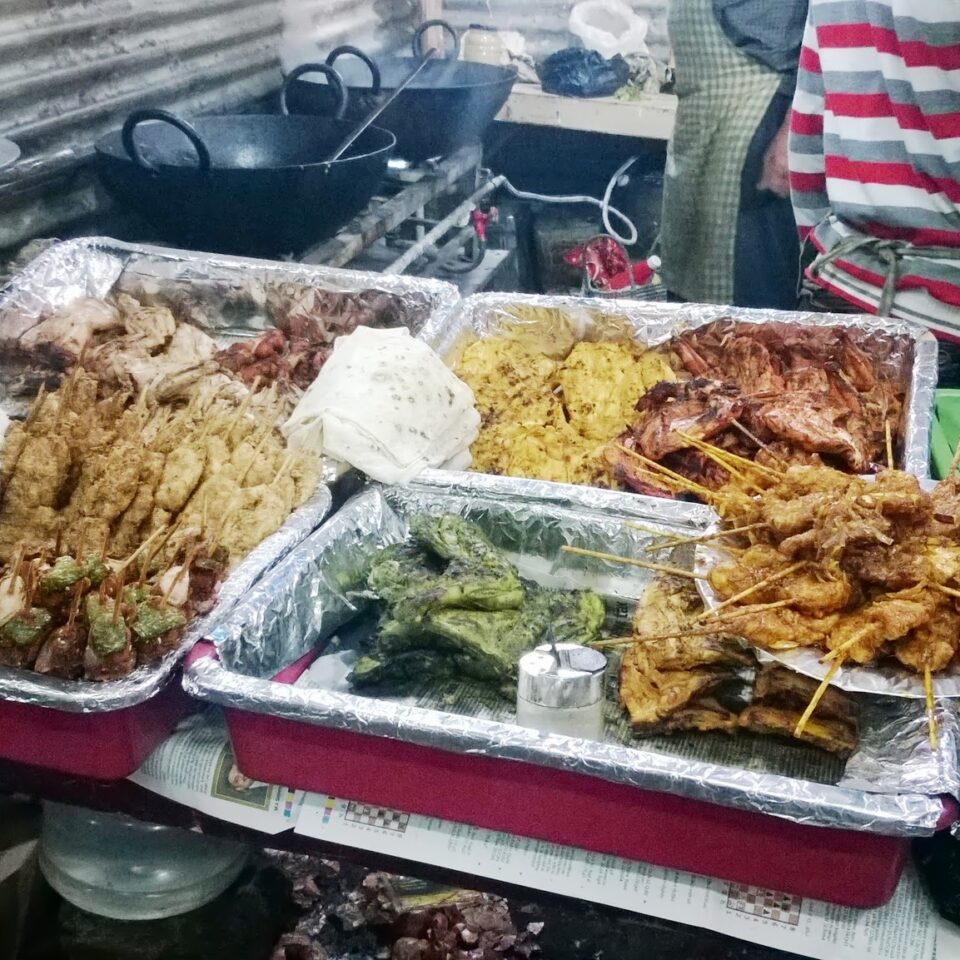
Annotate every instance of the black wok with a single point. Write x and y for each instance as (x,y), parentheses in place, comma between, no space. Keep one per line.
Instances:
(249,185)
(449,104)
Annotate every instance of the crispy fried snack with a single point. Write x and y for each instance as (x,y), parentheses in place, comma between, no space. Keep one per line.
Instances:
(549,414)
(866,569)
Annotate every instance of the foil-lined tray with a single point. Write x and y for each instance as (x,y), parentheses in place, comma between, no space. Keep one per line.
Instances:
(228,295)
(486,314)
(310,599)
(86,696)
(223,294)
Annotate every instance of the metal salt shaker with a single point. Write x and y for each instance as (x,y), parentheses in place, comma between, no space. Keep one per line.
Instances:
(560,690)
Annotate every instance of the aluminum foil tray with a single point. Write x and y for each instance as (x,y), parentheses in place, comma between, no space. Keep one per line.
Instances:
(312,597)
(225,294)
(654,323)
(94,267)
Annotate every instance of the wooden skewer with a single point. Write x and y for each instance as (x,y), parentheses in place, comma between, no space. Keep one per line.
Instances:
(143,546)
(711,449)
(188,560)
(955,462)
(677,478)
(817,697)
(889,438)
(105,546)
(118,599)
(763,446)
(35,408)
(679,538)
(750,608)
(646,564)
(644,529)
(287,465)
(224,520)
(841,651)
(29,584)
(15,569)
(648,638)
(686,629)
(78,590)
(662,481)
(934,734)
(949,591)
(765,582)
(268,430)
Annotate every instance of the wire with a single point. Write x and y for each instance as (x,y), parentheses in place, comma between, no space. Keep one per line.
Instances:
(605,206)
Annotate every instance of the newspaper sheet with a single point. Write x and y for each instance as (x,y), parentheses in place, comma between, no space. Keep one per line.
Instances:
(904,928)
(194,766)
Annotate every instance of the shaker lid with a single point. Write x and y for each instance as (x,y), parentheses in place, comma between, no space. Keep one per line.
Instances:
(562,675)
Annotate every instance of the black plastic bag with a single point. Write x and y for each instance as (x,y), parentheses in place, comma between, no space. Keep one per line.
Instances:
(938,859)
(576,72)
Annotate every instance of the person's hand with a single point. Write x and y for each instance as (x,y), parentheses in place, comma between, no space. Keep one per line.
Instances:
(775,174)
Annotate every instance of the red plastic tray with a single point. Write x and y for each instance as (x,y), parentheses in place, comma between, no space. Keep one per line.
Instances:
(102,746)
(847,867)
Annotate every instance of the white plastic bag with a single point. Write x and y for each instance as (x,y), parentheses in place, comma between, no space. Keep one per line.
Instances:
(609,27)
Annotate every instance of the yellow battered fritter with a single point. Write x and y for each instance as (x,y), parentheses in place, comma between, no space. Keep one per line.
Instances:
(548,418)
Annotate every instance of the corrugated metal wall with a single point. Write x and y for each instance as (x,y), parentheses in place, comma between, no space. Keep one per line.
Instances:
(313,27)
(544,22)
(72,69)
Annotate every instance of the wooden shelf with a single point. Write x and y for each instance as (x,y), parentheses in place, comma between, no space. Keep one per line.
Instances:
(651,118)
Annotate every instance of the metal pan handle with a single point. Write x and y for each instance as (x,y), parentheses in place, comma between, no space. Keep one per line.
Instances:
(139,116)
(335,55)
(425,26)
(336,81)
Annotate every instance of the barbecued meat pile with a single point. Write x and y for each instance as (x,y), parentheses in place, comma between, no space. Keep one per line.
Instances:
(690,682)
(774,392)
(307,323)
(863,569)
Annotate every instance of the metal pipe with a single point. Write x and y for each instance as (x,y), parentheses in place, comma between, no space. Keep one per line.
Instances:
(401,263)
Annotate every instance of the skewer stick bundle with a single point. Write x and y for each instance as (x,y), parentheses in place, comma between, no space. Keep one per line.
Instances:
(719,454)
(677,478)
(714,454)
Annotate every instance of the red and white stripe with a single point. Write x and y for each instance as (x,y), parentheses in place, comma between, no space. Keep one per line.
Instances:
(875,144)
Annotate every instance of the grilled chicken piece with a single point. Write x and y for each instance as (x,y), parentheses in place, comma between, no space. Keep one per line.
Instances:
(698,408)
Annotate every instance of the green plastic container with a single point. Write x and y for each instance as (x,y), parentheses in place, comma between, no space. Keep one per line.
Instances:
(945,430)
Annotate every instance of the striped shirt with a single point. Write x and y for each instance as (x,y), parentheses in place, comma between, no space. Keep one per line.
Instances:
(875,152)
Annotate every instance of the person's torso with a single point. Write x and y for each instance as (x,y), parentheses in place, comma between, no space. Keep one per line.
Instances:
(706,60)
(891,126)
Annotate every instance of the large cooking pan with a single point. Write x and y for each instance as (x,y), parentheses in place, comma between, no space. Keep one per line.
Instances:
(449,104)
(249,185)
